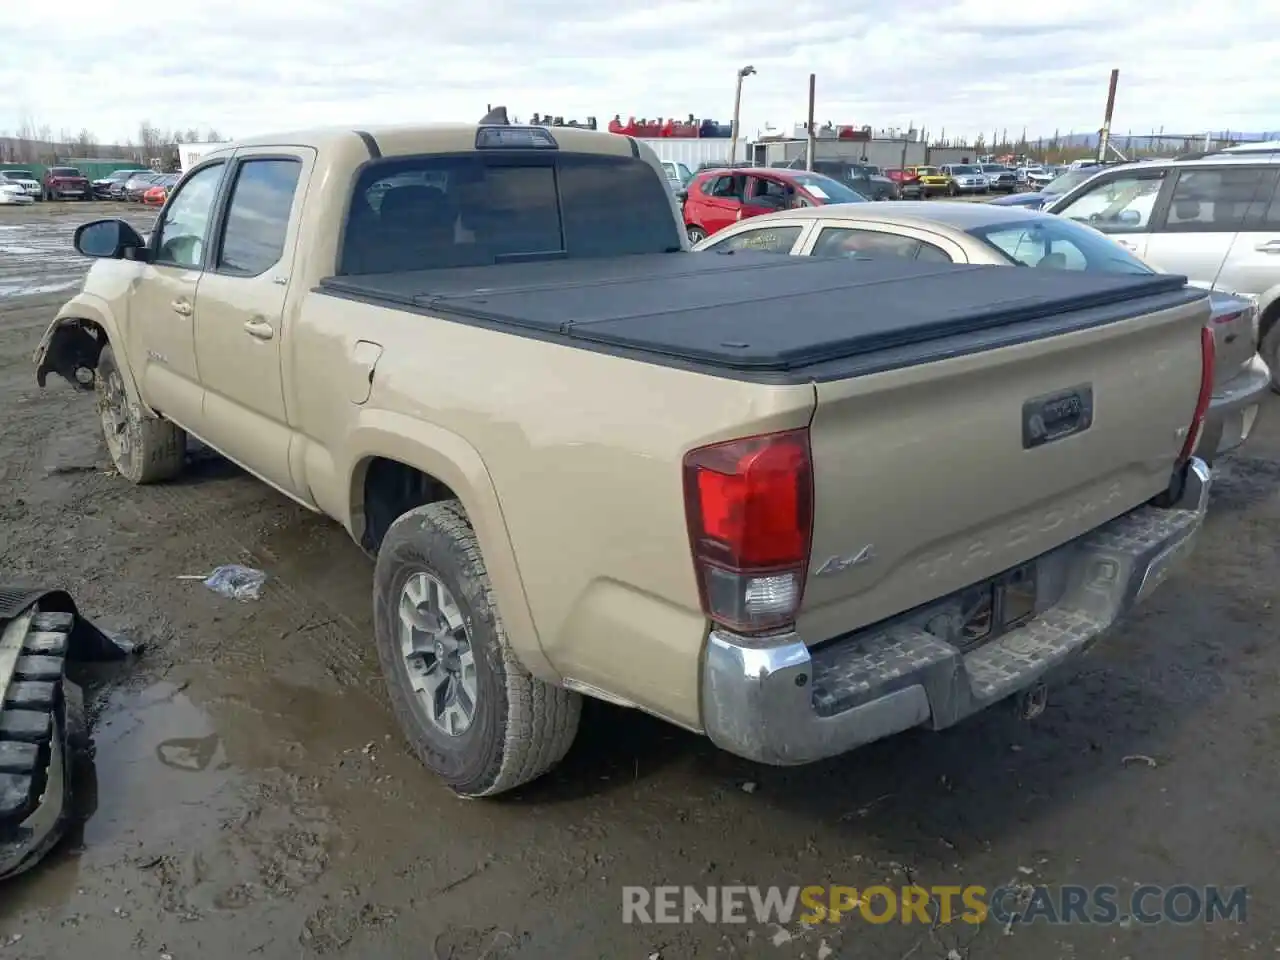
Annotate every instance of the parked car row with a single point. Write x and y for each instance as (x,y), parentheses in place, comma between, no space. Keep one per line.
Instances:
(58,183)
(135,185)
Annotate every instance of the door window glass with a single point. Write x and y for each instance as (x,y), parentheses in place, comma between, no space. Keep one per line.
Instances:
(1216,200)
(726,188)
(258,216)
(848,242)
(1123,203)
(186,220)
(765,239)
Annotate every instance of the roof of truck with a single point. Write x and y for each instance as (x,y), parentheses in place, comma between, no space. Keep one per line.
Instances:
(407,139)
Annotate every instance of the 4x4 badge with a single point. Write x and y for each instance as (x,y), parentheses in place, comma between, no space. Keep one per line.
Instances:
(841,564)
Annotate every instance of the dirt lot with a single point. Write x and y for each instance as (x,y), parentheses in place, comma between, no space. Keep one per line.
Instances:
(252,799)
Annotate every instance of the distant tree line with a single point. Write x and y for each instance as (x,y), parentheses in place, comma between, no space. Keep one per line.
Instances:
(34,142)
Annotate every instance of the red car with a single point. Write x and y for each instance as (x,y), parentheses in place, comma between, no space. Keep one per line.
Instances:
(62,183)
(718,198)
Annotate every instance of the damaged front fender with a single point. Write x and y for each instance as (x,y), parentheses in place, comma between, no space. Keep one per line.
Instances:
(42,722)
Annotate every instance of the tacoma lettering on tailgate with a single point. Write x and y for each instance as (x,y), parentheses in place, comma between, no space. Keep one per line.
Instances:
(1089,510)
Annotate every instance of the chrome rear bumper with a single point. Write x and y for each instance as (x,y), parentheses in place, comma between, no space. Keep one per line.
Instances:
(775,701)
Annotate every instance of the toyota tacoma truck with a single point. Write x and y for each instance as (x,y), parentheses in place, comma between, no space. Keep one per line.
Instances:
(791,503)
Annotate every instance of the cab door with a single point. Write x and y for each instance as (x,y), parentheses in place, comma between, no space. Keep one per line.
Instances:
(245,313)
(163,303)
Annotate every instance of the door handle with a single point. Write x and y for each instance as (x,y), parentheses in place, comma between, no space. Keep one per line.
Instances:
(1270,246)
(182,307)
(259,328)
(1127,245)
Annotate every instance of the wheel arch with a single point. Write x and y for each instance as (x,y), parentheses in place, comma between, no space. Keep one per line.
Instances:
(405,459)
(75,339)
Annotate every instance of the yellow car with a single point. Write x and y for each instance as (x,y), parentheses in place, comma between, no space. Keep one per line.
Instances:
(933,181)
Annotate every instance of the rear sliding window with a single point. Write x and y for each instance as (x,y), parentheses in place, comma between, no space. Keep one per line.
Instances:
(476,209)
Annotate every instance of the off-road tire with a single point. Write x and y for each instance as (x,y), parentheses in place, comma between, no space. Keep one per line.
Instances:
(158,448)
(522,726)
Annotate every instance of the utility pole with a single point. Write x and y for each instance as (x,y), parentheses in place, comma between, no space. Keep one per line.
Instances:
(811,146)
(743,73)
(1104,137)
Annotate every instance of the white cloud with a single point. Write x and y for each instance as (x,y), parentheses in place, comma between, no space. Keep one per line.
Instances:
(963,65)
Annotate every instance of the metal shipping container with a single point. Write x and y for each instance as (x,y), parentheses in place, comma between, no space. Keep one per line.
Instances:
(692,152)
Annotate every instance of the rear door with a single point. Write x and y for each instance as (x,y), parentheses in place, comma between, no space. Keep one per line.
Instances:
(1195,230)
(1119,204)
(1253,263)
(243,320)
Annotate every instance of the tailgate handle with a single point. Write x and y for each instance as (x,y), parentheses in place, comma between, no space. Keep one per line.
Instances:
(1057,415)
(1270,246)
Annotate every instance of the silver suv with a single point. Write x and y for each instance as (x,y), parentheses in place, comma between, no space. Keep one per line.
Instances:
(1215,219)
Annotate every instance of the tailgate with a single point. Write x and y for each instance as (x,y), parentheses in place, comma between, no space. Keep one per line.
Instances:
(932,477)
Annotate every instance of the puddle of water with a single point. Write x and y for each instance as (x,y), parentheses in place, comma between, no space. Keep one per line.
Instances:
(213,768)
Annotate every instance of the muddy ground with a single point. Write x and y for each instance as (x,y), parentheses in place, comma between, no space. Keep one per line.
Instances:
(250,796)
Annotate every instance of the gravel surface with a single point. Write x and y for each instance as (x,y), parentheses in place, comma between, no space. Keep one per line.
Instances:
(250,796)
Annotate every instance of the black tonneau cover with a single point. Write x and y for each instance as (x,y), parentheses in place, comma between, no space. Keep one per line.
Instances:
(758,312)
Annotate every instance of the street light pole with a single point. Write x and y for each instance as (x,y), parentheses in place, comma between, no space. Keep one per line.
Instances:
(737,110)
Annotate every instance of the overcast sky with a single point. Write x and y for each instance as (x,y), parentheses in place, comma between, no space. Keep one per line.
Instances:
(968,66)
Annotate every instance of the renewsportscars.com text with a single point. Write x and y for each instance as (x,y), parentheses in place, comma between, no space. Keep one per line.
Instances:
(1062,904)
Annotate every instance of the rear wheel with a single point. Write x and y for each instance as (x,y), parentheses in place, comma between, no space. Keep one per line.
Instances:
(468,708)
(696,234)
(144,449)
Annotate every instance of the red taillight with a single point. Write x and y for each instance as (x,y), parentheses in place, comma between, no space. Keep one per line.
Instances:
(1228,317)
(1207,351)
(749,505)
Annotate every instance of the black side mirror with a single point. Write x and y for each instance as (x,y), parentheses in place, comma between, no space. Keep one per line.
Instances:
(682,195)
(109,240)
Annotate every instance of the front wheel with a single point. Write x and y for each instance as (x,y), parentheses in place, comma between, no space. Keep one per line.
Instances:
(144,449)
(468,708)
(696,234)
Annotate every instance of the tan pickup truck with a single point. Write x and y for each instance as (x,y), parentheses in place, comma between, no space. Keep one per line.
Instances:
(795,504)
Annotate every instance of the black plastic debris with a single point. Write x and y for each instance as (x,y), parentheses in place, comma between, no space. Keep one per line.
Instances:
(42,721)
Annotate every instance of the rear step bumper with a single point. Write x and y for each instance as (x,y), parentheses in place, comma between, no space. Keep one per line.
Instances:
(775,701)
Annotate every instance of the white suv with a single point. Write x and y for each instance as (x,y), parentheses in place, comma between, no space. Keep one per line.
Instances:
(1215,219)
